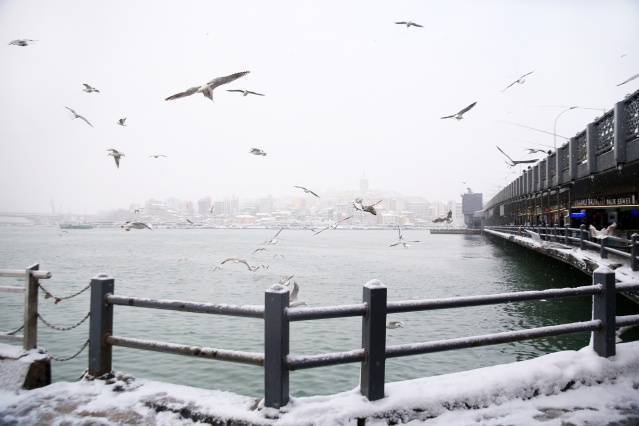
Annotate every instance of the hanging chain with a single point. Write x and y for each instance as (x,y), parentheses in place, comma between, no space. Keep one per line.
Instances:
(72,356)
(48,294)
(59,328)
(12,332)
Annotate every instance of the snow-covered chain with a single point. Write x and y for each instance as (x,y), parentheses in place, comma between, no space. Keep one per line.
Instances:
(63,359)
(60,299)
(59,328)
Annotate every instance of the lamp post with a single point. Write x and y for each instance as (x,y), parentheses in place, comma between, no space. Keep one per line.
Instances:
(562,113)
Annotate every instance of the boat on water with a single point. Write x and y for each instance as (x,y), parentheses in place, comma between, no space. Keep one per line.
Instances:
(75,226)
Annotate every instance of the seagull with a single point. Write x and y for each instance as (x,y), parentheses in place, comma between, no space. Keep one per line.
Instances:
(135,225)
(401,241)
(284,279)
(245,92)
(273,240)
(137,210)
(22,42)
(89,89)
(212,208)
(369,209)
(122,122)
(259,249)
(604,233)
(116,156)
(628,80)
(306,190)
(243,261)
(157,155)
(333,226)
(460,114)
(547,244)
(76,115)
(394,324)
(535,151)
(448,218)
(207,89)
(189,221)
(257,151)
(294,291)
(409,24)
(520,80)
(515,162)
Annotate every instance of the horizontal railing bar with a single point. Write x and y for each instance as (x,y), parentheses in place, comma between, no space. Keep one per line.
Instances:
(574,239)
(627,286)
(322,312)
(21,273)
(11,337)
(627,320)
(250,311)
(618,252)
(591,243)
(490,339)
(491,299)
(299,362)
(11,289)
(253,358)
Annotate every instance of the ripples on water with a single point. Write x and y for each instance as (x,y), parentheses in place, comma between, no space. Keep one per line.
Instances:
(330,269)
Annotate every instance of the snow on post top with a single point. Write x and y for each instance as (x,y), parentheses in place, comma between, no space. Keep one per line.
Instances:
(277,288)
(374,284)
(603,269)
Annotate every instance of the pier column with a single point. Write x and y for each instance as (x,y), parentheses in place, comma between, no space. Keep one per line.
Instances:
(591,146)
(373,367)
(572,159)
(602,248)
(276,346)
(582,236)
(634,252)
(603,309)
(30,332)
(620,133)
(100,325)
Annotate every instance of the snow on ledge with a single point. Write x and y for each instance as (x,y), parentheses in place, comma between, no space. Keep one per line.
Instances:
(571,383)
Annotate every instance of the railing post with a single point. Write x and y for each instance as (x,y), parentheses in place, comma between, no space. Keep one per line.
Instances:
(566,241)
(100,325)
(602,248)
(30,335)
(373,369)
(603,309)
(634,252)
(582,236)
(555,231)
(276,346)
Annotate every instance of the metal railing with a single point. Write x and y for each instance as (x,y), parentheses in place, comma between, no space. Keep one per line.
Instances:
(278,362)
(32,276)
(628,249)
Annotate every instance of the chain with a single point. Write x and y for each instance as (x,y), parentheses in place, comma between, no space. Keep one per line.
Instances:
(12,332)
(56,327)
(48,294)
(72,356)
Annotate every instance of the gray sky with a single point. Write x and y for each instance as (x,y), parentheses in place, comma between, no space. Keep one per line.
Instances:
(347,92)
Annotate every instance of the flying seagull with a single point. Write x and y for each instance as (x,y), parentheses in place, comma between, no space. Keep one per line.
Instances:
(157,155)
(90,89)
(257,151)
(361,207)
(520,80)
(448,218)
(628,80)
(238,260)
(259,249)
(401,240)
(515,162)
(306,190)
(212,208)
(535,151)
(189,221)
(76,115)
(21,42)
(460,114)
(273,240)
(244,92)
(394,324)
(207,89)
(332,226)
(135,225)
(604,233)
(116,156)
(122,122)
(409,24)
(537,239)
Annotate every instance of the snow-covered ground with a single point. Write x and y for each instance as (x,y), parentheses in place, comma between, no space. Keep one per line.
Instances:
(569,387)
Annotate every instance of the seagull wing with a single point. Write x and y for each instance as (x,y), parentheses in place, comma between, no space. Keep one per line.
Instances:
(72,111)
(401,23)
(628,80)
(399,232)
(449,116)
(468,108)
(611,228)
(235,90)
(277,233)
(373,205)
(321,230)
(226,79)
(117,161)
(342,220)
(313,193)
(395,244)
(254,93)
(526,75)
(292,296)
(524,161)
(507,156)
(510,85)
(231,259)
(300,187)
(187,92)
(417,25)
(85,120)
(87,86)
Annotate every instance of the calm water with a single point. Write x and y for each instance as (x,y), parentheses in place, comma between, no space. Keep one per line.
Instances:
(330,268)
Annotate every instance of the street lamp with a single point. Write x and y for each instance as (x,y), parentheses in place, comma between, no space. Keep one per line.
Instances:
(562,113)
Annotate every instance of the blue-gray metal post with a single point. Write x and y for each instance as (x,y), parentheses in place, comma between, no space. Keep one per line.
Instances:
(373,367)
(276,346)
(603,309)
(30,331)
(634,252)
(555,231)
(100,325)
(566,234)
(582,236)
(602,248)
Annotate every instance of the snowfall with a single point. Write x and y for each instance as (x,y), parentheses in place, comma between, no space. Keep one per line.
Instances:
(562,388)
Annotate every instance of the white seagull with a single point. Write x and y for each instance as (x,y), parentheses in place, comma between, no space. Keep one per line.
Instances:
(361,207)
(207,89)
(122,122)
(604,233)
(628,80)
(157,155)
(21,42)
(135,225)
(244,92)
(273,240)
(520,80)
(239,260)
(333,226)
(293,293)
(515,162)
(401,241)
(394,324)
(76,115)
(116,156)
(409,24)
(306,190)
(90,89)
(257,151)
(460,115)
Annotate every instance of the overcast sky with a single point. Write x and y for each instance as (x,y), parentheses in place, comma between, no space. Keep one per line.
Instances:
(347,92)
